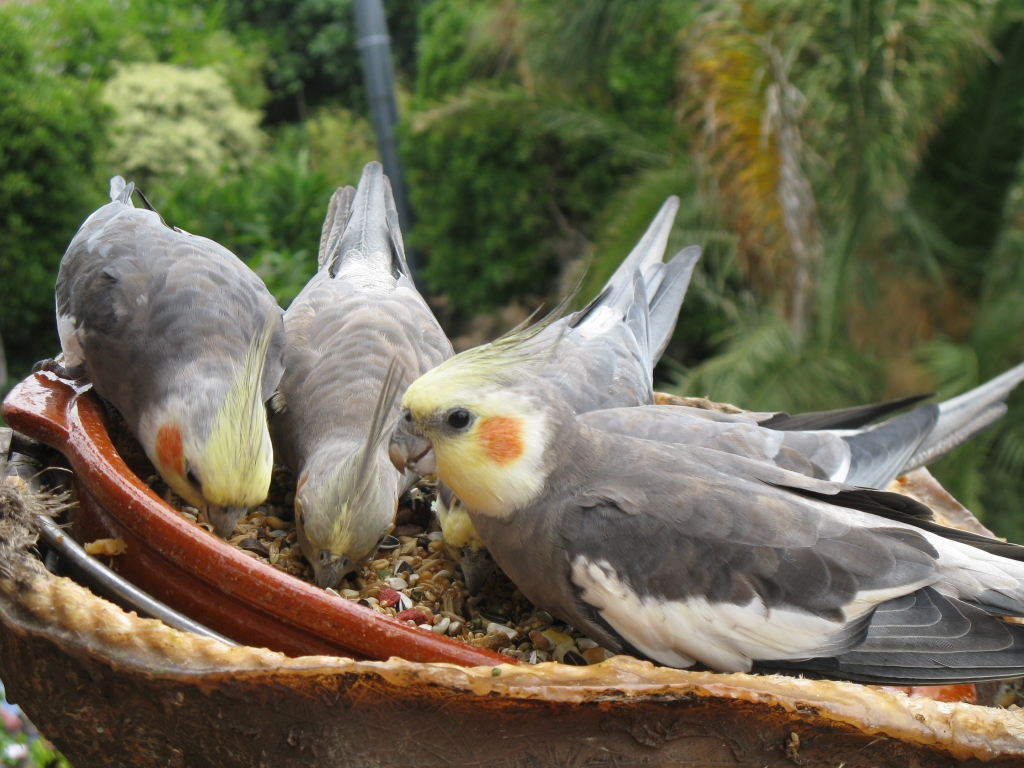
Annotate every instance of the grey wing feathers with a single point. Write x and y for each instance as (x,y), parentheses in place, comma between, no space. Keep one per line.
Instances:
(878,454)
(925,638)
(136,291)
(840,418)
(665,304)
(778,582)
(903,509)
(963,417)
(338,211)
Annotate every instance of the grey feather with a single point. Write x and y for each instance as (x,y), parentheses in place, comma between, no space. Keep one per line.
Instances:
(840,418)
(669,297)
(606,351)
(368,234)
(960,418)
(394,229)
(650,250)
(117,185)
(927,639)
(148,300)
(879,454)
(338,211)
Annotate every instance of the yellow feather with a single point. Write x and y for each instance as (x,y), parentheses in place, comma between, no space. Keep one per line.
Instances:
(238,458)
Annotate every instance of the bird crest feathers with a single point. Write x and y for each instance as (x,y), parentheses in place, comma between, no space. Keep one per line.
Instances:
(239,458)
(501,361)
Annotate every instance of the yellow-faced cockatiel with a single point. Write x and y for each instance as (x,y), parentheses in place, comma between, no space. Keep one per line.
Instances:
(360,314)
(185,341)
(605,358)
(686,554)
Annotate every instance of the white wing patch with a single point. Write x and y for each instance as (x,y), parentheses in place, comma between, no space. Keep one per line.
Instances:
(67,330)
(724,636)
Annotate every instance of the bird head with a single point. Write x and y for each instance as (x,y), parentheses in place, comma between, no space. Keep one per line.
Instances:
(462,542)
(347,496)
(483,422)
(343,507)
(209,439)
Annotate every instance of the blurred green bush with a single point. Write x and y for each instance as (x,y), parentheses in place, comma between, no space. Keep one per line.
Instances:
(51,133)
(173,121)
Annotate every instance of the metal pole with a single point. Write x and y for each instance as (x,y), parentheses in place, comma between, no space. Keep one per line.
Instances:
(379,79)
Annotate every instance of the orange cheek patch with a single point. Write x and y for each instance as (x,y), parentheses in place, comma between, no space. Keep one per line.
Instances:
(501,439)
(168,449)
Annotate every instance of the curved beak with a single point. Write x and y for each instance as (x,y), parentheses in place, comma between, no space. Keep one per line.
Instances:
(476,567)
(410,451)
(223,519)
(330,568)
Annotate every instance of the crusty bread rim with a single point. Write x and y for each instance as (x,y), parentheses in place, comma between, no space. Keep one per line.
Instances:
(87,625)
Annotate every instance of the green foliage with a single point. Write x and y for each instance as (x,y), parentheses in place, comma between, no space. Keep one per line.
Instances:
(50,133)
(340,144)
(171,120)
(88,39)
(508,178)
(500,196)
(312,58)
(972,162)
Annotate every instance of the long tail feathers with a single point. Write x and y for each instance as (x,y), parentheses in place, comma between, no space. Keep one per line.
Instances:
(963,417)
(121,191)
(925,638)
(395,229)
(664,306)
(638,318)
(879,454)
(649,251)
(338,212)
(371,226)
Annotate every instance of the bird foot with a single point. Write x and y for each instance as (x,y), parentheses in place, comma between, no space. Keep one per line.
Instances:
(57,368)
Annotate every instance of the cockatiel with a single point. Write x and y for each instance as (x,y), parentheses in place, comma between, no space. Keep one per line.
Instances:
(870,457)
(185,341)
(685,554)
(358,313)
(604,358)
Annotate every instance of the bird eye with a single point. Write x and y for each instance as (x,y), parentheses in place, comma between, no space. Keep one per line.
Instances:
(407,416)
(459,419)
(193,478)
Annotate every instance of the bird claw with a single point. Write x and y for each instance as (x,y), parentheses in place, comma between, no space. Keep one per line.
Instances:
(58,369)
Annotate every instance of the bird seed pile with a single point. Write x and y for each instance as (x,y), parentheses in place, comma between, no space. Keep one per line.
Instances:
(412,578)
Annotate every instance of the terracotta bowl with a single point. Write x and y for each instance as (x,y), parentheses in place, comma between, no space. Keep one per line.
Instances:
(194,572)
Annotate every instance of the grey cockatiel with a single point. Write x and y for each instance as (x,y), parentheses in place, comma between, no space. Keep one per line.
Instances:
(184,340)
(604,358)
(685,554)
(360,312)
